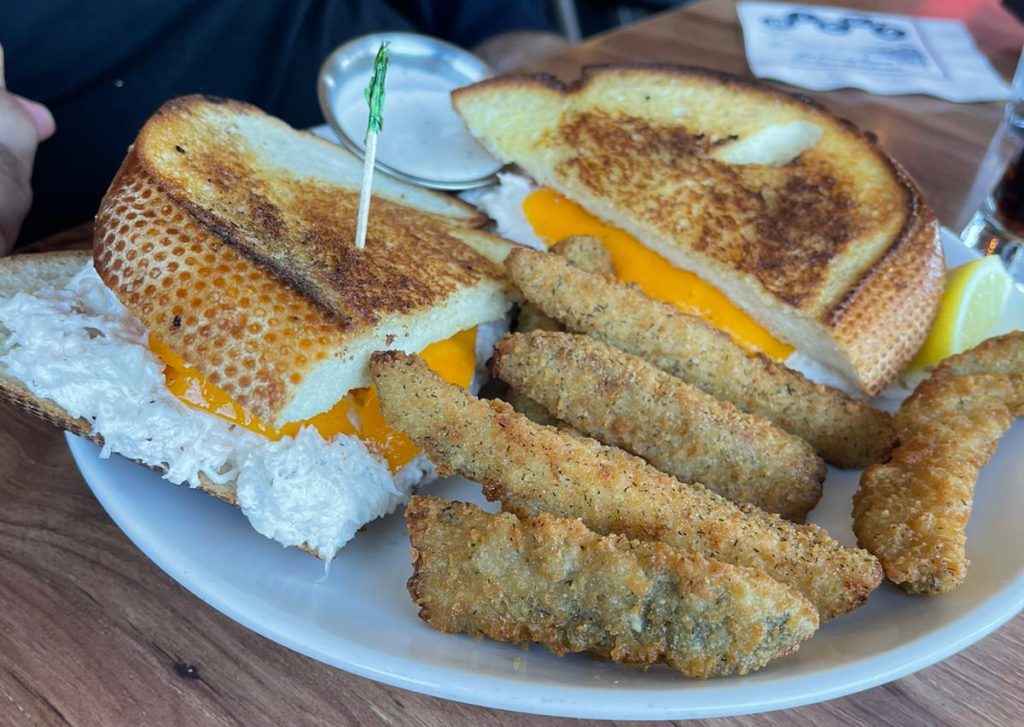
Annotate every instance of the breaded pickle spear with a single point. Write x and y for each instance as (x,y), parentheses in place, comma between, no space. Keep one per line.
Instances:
(622,400)
(532,468)
(845,432)
(587,253)
(912,510)
(552,581)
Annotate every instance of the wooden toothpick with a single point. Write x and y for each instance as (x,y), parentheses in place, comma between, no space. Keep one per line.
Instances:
(374,95)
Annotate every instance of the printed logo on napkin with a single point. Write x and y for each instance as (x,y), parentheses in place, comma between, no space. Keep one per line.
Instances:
(824,48)
(817,38)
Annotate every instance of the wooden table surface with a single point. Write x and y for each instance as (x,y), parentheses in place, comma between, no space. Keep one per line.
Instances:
(91,632)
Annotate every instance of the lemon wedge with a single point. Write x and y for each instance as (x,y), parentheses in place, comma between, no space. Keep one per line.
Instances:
(971,307)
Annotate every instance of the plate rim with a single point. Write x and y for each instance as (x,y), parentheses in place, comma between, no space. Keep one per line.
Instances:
(550,699)
(566,700)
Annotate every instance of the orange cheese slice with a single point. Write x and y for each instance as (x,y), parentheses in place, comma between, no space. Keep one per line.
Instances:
(358,413)
(554,217)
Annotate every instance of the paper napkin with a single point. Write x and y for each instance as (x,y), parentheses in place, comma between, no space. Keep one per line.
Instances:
(824,48)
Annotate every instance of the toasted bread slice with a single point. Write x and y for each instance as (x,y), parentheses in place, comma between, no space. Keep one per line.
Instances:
(794,214)
(229,235)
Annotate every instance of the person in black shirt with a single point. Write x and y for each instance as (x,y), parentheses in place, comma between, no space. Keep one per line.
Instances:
(102,67)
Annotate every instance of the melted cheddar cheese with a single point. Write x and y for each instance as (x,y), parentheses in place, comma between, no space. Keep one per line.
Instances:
(554,217)
(357,414)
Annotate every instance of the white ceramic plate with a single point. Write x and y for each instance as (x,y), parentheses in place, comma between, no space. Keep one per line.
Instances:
(361,619)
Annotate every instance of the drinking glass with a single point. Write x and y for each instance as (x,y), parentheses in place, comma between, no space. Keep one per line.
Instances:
(997,228)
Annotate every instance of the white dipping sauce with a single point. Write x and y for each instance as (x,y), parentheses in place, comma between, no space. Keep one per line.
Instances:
(422,134)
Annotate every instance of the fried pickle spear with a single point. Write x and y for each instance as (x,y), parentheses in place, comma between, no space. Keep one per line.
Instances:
(552,581)
(912,510)
(532,468)
(587,253)
(626,402)
(845,432)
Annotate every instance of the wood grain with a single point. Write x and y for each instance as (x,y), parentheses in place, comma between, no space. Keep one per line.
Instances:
(92,633)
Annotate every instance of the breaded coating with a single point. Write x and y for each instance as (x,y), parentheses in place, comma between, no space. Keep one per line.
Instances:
(622,400)
(846,432)
(552,581)
(585,252)
(912,510)
(532,469)
(529,408)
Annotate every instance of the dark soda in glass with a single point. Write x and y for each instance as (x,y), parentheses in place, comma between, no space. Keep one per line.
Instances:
(1007,199)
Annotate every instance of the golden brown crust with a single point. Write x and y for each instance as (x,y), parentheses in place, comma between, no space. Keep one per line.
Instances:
(247,270)
(225,315)
(585,252)
(839,240)
(553,581)
(624,401)
(302,228)
(782,238)
(845,432)
(173,118)
(884,318)
(911,511)
(588,73)
(533,469)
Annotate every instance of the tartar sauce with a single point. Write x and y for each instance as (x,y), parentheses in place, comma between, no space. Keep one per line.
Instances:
(422,134)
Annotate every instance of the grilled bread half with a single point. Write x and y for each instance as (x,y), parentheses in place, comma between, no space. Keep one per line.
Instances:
(793,213)
(29,274)
(229,235)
